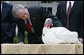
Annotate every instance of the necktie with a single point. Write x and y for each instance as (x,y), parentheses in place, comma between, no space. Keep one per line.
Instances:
(68,12)
(29,26)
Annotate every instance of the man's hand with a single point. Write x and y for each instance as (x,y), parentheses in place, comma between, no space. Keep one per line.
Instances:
(81,40)
(20,43)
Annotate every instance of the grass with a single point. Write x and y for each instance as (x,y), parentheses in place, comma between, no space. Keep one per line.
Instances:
(25,38)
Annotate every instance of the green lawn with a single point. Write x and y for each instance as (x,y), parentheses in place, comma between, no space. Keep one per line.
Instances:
(25,38)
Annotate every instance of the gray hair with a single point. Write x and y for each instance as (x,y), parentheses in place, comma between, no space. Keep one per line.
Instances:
(16,9)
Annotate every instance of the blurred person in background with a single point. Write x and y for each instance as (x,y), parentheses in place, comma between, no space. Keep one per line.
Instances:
(7,23)
(70,13)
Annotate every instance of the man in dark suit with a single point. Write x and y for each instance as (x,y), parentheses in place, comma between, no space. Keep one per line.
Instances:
(70,13)
(7,23)
(30,19)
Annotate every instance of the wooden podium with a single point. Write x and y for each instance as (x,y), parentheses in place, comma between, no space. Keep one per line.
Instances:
(41,49)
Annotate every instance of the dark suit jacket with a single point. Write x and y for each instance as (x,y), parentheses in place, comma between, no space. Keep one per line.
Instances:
(75,17)
(38,16)
(7,24)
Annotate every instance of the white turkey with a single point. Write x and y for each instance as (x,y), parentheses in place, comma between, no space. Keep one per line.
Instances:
(56,35)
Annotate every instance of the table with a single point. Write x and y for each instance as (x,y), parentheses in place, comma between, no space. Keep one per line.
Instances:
(41,49)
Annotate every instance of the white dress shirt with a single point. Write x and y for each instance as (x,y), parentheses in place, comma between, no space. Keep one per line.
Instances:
(72,3)
(1,6)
